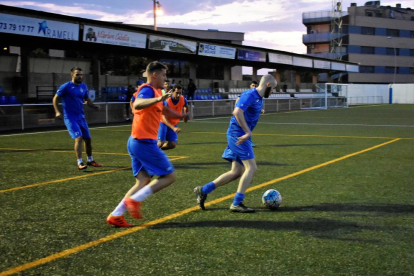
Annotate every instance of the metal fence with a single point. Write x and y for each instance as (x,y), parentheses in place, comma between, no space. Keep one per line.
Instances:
(26,116)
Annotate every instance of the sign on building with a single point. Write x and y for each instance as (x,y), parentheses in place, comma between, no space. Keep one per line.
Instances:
(251,55)
(114,37)
(282,59)
(216,51)
(22,25)
(172,45)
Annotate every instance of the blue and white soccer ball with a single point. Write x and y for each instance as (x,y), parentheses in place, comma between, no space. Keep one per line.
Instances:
(272,199)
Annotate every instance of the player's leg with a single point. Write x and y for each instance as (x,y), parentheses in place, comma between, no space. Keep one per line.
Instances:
(172,139)
(154,162)
(86,135)
(78,152)
(227,177)
(162,135)
(250,169)
(76,134)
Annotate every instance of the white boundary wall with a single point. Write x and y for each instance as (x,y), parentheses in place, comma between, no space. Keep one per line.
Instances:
(403,93)
(368,94)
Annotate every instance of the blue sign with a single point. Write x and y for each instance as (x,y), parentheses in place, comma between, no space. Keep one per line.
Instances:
(251,55)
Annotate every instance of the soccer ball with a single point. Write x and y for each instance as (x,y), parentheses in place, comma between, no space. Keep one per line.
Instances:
(272,199)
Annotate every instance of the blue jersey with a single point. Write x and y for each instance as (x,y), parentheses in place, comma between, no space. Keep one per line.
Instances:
(73,97)
(252,104)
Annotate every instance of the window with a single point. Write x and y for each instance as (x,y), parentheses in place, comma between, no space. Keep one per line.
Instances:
(412,52)
(393,33)
(367,31)
(412,34)
(368,14)
(389,70)
(411,70)
(367,50)
(390,51)
(366,69)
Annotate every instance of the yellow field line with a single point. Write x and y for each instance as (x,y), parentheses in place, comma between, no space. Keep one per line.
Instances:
(85,246)
(75,177)
(309,135)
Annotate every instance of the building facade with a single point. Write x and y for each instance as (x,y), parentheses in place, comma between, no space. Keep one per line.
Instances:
(379,38)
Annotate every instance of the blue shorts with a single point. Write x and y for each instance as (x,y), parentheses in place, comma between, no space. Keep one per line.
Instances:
(77,128)
(167,134)
(149,157)
(238,153)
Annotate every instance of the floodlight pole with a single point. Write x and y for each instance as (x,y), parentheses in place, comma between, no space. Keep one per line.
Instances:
(155,15)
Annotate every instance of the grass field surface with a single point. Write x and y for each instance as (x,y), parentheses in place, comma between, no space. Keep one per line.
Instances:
(345,175)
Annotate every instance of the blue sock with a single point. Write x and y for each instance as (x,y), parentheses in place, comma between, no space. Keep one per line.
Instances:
(208,188)
(238,198)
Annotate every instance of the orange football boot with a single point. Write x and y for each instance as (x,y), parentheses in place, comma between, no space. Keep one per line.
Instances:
(134,207)
(117,221)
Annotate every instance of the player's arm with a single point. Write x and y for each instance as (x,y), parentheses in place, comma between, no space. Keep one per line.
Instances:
(90,103)
(186,112)
(141,103)
(168,124)
(169,113)
(55,106)
(239,115)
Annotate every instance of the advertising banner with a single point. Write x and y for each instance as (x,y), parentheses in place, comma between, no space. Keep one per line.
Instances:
(251,55)
(172,45)
(321,64)
(338,66)
(216,51)
(114,37)
(22,25)
(352,68)
(304,62)
(282,59)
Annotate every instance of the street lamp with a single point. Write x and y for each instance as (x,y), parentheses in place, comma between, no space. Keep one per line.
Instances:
(157,9)
(395,57)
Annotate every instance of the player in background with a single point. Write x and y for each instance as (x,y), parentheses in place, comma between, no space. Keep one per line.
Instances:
(167,133)
(74,94)
(147,158)
(166,87)
(239,150)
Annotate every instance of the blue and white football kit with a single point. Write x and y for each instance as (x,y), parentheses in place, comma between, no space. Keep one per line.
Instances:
(73,97)
(252,104)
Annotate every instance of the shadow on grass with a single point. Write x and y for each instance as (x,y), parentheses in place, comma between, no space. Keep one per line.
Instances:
(305,145)
(222,164)
(316,227)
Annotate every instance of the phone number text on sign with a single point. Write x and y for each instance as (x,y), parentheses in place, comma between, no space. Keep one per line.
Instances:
(15,27)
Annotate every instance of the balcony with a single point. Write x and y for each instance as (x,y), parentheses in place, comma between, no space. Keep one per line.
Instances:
(320,16)
(319,38)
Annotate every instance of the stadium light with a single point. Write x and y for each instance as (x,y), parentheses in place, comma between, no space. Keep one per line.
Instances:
(395,57)
(157,10)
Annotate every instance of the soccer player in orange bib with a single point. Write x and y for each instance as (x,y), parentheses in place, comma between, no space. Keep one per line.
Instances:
(147,158)
(167,133)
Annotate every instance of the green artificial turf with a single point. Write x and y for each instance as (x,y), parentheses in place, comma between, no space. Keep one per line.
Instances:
(354,216)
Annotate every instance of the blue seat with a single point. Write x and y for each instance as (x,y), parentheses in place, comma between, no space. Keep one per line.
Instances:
(1,90)
(4,100)
(198,97)
(209,96)
(122,98)
(13,100)
(209,90)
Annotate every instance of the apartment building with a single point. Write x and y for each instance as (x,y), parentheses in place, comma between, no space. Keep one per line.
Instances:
(379,38)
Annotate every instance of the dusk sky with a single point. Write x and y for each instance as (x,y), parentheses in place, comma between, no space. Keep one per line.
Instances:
(275,24)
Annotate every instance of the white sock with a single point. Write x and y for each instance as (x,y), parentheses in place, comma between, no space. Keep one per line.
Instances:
(142,194)
(90,158)
(80,161)
(120,209)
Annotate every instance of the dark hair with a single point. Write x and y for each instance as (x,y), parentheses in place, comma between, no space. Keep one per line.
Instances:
(254,82)
(155,66)
(75,68)
(177,86)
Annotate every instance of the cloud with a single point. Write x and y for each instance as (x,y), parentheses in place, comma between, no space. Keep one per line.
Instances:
(284,41)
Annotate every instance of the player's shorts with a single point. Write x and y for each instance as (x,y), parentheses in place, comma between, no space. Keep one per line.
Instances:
(77,128)
(149,157)
(167,134)
(234,152)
